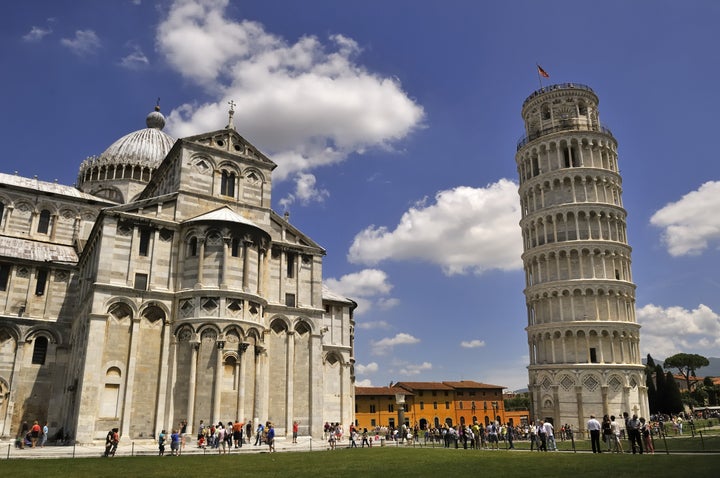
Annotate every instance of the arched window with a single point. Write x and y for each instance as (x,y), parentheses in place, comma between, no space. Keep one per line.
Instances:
(40,351)
(144,241)
(227,184)
(4,275)
(192,247)
(41,282)
(110,401)
(44,222)
(2,212)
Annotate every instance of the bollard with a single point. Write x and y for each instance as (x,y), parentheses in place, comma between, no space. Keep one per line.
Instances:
(702,442)
(8,455)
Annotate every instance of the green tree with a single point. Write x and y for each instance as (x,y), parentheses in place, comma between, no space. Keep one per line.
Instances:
(712,390)
(518,402)
(686,364)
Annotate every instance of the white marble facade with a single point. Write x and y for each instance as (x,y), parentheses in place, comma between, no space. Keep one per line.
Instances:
(164,288)
(583,335)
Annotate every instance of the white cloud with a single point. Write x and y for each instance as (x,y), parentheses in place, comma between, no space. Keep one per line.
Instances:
(367,282)
(415,369)
(135,60)
(306,104)
(472,344)
(363,383)
(383,346)
(377,324)
(466,229)
(365,369)
(512,375)
(387,303)
(84,43)
(305,191)
(671,330)
(36,34)
(691,223)
(368,287)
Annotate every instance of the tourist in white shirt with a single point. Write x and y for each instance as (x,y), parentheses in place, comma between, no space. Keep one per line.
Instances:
(593,427)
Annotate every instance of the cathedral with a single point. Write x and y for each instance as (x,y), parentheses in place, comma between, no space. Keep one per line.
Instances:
(163,288)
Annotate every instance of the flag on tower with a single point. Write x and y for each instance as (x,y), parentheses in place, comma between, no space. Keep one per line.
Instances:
(542,72)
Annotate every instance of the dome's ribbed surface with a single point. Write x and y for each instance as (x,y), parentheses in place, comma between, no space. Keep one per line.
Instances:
(146,147)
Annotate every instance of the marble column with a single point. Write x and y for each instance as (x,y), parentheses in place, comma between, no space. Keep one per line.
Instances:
(130,379)
(217,384)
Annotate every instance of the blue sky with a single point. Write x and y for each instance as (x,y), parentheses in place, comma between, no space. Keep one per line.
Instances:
(394,124)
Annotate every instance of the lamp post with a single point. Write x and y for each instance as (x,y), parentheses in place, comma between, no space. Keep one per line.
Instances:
(400,400)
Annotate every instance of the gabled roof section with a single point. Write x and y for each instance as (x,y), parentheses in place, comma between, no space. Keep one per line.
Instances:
(469,384)
(380,391)
(230,141)
(327,294)
(223,214)
(413,386)
(35,185)
(300,237)
(143,203)
(26,249)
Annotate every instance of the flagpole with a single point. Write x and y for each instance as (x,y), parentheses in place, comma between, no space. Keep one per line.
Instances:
(538,74)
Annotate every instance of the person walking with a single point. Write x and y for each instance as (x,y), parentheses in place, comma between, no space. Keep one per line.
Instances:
(615,428)
(161,443)
(175,443)
(44,436)
(365,438)
(633,430)
(550,435)
(606,429)
(510,433)
(593,426)
(259,433)
(646,436)
(270,437)
(35,432)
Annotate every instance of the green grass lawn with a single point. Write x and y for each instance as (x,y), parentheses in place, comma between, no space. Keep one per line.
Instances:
(705,442)
(390,461)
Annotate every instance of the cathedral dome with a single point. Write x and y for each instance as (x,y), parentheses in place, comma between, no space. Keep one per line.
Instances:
(133,157)
(145,147)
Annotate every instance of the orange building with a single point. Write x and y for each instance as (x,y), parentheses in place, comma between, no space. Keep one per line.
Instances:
(429,404)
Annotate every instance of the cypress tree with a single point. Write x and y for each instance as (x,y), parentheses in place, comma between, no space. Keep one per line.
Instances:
(674,399)
(650,363)
(650,383)
(660,390)
(651,391)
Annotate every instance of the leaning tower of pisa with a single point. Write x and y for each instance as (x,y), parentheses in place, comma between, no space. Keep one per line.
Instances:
(582,332)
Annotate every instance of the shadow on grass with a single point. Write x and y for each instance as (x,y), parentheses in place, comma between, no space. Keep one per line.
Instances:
(395,462)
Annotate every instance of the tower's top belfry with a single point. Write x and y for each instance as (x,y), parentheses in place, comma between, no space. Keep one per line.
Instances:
(561,107)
